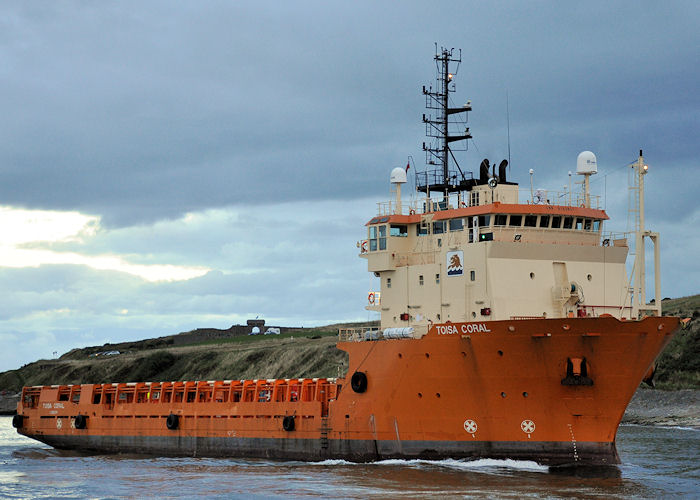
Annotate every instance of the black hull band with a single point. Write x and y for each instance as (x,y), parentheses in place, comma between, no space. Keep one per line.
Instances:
(546,453)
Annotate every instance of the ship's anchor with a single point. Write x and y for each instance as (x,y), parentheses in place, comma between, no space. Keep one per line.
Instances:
(576,372)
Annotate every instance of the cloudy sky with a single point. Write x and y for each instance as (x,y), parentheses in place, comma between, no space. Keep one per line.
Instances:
(168,165)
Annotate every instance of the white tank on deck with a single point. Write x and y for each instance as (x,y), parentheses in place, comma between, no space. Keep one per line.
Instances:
(399,333)
(371,335)
(586,163)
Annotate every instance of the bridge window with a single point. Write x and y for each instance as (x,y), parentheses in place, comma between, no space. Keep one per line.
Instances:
(587,224)
(568,222)
(556,222)
(372,238)
(382,237)
(422,229)
(516,220)
(596,225)
(500,219)
(530,221)
(439,227)
(579,224)
(398,230)
(544,220)
(456,224)
(484,220)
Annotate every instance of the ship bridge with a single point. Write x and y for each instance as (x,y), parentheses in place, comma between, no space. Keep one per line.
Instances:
(492,256)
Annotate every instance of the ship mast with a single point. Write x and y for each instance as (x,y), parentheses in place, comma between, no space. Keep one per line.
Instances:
(438,152)
(639,305)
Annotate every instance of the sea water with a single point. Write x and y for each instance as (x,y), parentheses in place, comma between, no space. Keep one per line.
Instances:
(657,462)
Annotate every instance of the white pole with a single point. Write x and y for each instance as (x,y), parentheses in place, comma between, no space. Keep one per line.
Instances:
(398,198)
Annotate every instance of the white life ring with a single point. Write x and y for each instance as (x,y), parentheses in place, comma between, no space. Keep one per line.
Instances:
(412,212)
(370,298)
(363,246)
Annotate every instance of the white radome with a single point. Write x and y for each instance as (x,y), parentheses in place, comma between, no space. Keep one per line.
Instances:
(586,163)
(398,176)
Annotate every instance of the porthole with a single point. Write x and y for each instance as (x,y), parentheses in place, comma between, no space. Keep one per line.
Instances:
(503,394)
(420,394)
(400,355)
(589,277)
(473,314)
(525,394)
(500,353)
(464,354)
(427,355)
(532,276)
(437,394)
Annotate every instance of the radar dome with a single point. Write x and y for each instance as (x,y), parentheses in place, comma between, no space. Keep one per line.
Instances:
(398,176)
(586,163)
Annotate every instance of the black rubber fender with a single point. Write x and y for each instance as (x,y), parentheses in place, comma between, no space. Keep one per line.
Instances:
(80,421)
(288,423)
(18,421)
(358,382)
(172,421)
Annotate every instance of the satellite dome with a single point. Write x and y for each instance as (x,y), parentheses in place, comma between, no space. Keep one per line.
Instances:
(586,163)
(398,176)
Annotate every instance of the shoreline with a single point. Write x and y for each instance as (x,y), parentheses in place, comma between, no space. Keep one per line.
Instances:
(679,408)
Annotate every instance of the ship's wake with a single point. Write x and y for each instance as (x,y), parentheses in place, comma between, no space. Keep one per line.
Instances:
(484,464)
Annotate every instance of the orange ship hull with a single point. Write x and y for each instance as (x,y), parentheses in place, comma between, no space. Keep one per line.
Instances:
(549,390)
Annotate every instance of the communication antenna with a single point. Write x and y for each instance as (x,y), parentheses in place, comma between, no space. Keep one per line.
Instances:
(508,120)
(438,151)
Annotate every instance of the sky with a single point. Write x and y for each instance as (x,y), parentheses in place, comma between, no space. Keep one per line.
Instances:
(166,166)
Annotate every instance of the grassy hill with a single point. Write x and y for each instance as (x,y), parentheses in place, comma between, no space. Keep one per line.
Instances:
(678,366)
(305,352)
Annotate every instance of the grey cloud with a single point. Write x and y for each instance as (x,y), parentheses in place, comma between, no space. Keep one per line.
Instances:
(145,111)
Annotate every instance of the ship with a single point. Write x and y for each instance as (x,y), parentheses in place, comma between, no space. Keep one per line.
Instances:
(509,328)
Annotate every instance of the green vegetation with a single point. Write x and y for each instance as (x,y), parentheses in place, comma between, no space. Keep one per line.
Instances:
(252,339)
(678,367)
